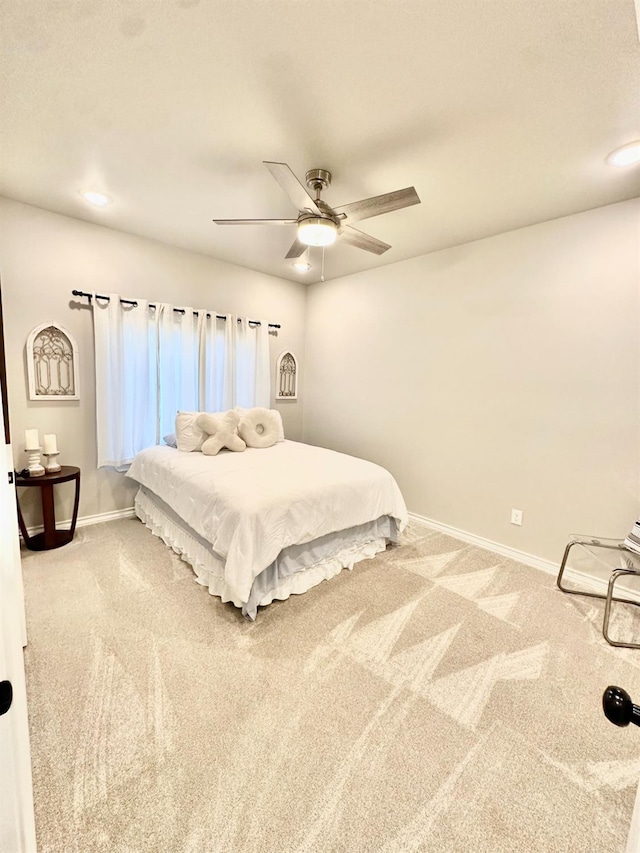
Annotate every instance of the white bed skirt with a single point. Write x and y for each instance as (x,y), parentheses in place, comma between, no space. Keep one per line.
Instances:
(347,548)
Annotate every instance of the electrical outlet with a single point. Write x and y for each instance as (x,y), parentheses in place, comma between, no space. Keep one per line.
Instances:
(516,516)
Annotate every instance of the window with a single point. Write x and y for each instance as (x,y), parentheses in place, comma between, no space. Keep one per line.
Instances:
(155,360)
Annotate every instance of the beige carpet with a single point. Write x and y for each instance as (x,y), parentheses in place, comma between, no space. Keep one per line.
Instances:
(437,698)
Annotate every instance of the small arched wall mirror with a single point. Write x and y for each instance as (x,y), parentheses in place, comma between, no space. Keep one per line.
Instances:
(52,363)
(287,376)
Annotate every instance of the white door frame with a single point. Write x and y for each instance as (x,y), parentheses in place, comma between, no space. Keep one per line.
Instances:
(17,824)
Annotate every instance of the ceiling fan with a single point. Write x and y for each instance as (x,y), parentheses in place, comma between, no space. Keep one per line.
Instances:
(320,225)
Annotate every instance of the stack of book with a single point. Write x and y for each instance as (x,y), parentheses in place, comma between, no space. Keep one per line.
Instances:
(632,542)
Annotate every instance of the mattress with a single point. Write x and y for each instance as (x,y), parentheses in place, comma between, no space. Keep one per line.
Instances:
(251,507)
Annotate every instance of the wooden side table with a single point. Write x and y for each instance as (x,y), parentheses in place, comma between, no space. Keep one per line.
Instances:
(50,538)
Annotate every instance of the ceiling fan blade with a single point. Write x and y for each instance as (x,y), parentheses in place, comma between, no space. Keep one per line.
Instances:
(362,241)
(292,186)
(296,249)
(255,221)
(378,204)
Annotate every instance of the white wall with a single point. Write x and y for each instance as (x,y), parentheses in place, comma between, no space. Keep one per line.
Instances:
(502,373)
(44,256)
(499,374)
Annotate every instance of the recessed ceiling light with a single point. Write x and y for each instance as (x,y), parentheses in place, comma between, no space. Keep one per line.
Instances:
(625,156)
(96,198)
(301,266)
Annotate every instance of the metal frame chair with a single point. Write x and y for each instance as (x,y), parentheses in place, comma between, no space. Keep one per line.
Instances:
(609,598)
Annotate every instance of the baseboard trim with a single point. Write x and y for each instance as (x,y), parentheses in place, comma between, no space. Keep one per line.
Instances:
(582,580)
(87,520)
(488,544)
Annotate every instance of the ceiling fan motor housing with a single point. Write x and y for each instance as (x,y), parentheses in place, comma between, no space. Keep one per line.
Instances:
(325,212)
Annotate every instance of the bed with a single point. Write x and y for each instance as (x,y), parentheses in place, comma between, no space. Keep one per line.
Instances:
(269,522)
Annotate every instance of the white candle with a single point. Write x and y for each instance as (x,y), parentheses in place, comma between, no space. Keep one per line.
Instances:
(31,440)
(50,444)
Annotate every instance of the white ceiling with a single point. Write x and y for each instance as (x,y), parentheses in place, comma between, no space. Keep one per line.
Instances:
(499,112)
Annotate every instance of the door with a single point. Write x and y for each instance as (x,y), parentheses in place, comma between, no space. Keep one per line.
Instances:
(17,827)
(633,842)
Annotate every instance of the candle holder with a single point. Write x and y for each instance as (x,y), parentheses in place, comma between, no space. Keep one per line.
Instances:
(33,462)
(51,465)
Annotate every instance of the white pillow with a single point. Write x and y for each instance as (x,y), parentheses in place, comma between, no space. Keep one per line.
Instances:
(189,436)
(222,431)
(276,414)
(259,427)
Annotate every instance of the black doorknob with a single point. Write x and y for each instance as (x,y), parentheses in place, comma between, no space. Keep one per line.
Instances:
(6,696)
(618,707)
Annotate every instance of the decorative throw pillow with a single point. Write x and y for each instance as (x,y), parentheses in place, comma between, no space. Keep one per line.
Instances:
(259,427)
(276,414)
(221,431)
(189,436)
(170,440)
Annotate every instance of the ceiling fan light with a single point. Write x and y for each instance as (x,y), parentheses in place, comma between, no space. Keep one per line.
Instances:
(317,231)
(625,156)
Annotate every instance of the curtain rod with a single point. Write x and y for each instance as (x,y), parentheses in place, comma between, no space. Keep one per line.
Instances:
(179,310)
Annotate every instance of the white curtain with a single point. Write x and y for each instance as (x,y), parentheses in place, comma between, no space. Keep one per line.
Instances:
(177,345)
(126,386)
(252,387)
(150,363)
(216,357)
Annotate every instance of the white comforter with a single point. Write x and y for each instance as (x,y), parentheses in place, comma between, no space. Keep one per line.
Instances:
(251,505)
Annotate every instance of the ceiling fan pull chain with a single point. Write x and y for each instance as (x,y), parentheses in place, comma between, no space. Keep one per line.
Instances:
(322,270)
